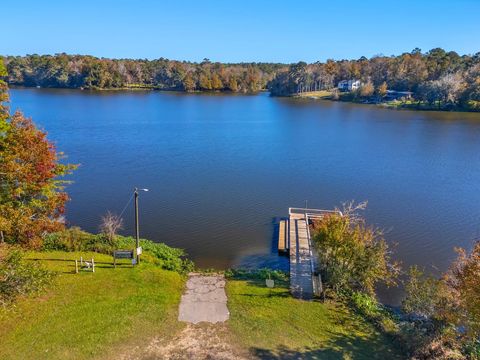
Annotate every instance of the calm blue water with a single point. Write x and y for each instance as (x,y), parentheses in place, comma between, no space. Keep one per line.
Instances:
(221,168)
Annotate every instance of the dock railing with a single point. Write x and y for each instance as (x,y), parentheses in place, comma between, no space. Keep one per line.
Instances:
(313,214)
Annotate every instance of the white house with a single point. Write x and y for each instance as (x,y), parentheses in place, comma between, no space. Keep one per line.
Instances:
(349,85)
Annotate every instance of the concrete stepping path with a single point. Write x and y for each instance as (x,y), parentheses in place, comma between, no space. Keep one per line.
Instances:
(204,299)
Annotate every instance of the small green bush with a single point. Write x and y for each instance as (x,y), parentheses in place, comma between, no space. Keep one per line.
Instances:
(71,239)
(369,308)
(19,277)
(423,294)
(167,257)
(53,242)
(366,304)
(472,349)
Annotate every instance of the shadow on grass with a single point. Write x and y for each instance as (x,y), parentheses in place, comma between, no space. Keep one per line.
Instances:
(353,344)
(269,295)
(288,354)
(70,264)
(339,348)
(73,261)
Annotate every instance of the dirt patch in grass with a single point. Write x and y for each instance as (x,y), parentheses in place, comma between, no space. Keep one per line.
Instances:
(201,341)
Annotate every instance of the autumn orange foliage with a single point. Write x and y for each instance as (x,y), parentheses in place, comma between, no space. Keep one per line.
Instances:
(463,280)
(32,198)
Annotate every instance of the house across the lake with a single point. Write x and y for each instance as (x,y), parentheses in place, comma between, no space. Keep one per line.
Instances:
(396,95)
(349,85)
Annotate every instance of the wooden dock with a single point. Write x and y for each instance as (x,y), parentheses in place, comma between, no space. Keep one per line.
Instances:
(305,283)
(283,237)
(301,283)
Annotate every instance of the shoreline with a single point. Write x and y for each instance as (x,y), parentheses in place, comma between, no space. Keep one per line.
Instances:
(313,95)
(139,88)
(390,105)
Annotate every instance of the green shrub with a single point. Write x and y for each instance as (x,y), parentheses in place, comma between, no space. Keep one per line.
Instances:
(19,277)
(352,255)
(417,338)
(472,349)
(55,241)
(368,307)
(71,239)
(423,294)
(167,257)
(366,304)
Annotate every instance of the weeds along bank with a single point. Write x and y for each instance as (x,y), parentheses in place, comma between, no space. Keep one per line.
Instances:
(75,239)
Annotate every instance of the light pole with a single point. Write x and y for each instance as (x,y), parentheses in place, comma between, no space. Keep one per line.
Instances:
(306,207)
(137,226)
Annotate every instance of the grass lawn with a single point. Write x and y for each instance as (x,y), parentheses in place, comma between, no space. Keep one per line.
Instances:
(274,325)
(88,315)
(321,94)
(105,314)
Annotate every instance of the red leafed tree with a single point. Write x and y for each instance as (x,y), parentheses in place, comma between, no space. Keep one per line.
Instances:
(32,198)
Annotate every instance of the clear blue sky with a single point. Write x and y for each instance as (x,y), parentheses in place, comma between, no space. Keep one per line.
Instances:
(232,30)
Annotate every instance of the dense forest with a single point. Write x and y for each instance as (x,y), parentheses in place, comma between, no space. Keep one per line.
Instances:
(434,77)
(88,72)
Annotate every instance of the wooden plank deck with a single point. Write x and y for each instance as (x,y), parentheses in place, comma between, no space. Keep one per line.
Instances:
(301,285)
(282,237)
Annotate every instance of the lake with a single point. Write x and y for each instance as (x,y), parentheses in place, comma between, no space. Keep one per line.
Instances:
(222,169)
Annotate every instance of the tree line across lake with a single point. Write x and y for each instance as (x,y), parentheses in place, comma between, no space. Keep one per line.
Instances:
(79,71)
(435,77)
